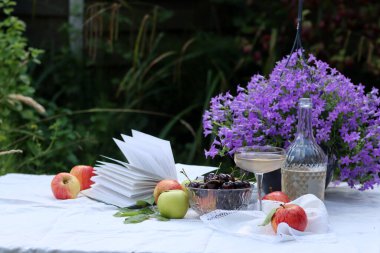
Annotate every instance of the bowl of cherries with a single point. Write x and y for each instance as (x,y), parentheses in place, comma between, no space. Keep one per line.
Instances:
(219,191)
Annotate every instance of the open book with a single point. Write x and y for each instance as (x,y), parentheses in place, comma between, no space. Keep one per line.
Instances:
(150,160)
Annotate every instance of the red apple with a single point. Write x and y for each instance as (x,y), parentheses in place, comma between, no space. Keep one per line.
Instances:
(166,185)
(84,174)
(277,196)
(291,214)
(65,186)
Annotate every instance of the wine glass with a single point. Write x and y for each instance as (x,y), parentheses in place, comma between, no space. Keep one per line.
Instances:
(259,160)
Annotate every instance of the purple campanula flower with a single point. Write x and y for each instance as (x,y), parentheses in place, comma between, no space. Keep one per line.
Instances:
(346,120)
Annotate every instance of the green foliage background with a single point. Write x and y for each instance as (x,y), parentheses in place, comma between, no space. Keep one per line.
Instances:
(153,81)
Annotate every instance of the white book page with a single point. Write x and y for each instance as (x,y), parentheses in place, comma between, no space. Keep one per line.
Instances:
(132,168)
(117,197)
(105,181)
(129,171)
(165,149)
(113,177)
(131,187)
(102,194)
(140,158)
(125,180)
(122,189)
(154,153)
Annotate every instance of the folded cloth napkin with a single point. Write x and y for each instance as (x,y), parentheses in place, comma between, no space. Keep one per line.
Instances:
(248,223)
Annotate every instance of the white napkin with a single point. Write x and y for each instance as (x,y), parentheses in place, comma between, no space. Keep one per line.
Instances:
(247,223)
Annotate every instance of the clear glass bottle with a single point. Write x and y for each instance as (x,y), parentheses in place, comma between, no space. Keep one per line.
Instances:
(305,166)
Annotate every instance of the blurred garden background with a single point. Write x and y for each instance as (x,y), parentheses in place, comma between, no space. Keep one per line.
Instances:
(76,73)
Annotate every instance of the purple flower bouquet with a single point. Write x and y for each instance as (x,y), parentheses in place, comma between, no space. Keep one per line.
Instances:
(345,119)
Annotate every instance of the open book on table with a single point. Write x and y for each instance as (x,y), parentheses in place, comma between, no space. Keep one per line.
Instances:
(150,160)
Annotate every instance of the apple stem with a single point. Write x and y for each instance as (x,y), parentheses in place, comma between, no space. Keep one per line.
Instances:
(282,205)
(184,173)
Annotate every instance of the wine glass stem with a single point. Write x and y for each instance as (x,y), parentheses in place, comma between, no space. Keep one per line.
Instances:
(259,179)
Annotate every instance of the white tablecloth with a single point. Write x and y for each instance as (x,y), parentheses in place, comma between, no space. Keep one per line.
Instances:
(32,220)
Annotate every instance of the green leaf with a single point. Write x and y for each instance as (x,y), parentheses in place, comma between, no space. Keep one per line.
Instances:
(125,209)
(124,212)
(136,219)
(136,206)
(145,202)
(269,217)
(159,217)
(146,210)
(8,11)
(142,203)
(150,200)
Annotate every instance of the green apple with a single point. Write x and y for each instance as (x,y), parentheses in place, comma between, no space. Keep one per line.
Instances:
(184,185)
(173,204)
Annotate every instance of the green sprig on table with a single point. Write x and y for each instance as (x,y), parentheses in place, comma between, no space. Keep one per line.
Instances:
(139,212)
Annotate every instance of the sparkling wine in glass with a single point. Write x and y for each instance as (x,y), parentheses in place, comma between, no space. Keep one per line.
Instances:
(259,160)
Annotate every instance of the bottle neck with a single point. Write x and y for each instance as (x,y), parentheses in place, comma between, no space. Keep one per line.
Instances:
(304,129)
